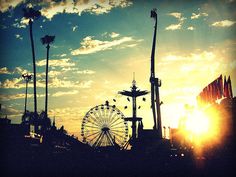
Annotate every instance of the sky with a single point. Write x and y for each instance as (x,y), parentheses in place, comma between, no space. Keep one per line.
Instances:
(100,44)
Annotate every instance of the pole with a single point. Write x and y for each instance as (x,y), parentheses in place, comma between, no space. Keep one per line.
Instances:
(46,92)
(26,92)
(152,77)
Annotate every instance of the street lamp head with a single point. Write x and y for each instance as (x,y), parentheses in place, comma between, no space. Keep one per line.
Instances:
(27,77)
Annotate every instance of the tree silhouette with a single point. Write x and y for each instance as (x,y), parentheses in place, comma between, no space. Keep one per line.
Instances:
(47,40)
(31,14)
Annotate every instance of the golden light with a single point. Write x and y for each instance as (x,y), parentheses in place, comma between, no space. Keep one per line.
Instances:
(203,128)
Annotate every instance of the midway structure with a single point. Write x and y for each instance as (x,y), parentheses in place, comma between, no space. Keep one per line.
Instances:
(155,84)
(134,93)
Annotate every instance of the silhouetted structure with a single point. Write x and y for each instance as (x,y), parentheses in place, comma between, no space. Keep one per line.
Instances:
(155,84)
(134,93)
(104,126)
(27,78)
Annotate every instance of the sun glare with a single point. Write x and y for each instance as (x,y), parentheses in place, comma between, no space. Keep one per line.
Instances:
(202,129)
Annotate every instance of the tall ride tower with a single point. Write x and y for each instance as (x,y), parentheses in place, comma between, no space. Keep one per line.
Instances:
(134,93)
(155,84)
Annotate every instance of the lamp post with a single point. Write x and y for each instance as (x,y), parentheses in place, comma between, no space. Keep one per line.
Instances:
(27,77)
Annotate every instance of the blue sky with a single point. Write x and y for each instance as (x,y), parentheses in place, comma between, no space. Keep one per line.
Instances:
(98,46)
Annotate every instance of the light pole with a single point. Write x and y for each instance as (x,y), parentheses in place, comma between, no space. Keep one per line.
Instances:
(27,77)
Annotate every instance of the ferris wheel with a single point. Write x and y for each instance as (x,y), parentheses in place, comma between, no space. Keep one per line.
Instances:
(104,125)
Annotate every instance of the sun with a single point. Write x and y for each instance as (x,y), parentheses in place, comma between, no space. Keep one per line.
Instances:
(201,128)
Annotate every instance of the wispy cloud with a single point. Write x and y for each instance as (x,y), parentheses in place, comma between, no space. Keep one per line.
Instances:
(174,27)
(4,70)
(14,83)
(18,36)
(22,23)
(74,28)
(13,96)
(196,16)
(52,8)
(5,5)
(65,62)
(86,72)
(60,93)
(202,56)
(180,19)
(223,23)
(16,70)
(17,83)
(6,110)
(90,45)
(191,28)
(59,83)
(114,35)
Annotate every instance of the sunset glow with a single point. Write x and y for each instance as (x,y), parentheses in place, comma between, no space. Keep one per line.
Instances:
(99,45)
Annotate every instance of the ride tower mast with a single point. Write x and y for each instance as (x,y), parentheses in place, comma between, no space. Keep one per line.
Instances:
(155,84)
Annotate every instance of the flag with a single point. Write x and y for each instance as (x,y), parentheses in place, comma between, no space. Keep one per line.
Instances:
(230,88)
(226,90)
(220,87)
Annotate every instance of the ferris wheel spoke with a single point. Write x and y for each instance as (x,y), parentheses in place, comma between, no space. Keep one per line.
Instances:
(95,123)
(121,127)
(92,127)
(116,124)
(95,118)
(117,136)
(112,114)
(93,134)
(115,120)
(99,140)
(89,121)
(93,130)
(109,115)
(98,115)
(96,138)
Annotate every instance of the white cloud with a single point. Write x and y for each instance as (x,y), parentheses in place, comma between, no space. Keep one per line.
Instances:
(77,7)
(223,23)
(196,16)
(4,70)
(58,83)
(114,35)
(65,62)
(86,72)
(14,96)
(17,83)
(20,70)
(202,56)
(176,14)
(5,5)
(74,28)
(191,28)
(14,83)
(90,45)
(180,19)
(60,93)
(18,36)
(17,70)
(174,27)
(22,23)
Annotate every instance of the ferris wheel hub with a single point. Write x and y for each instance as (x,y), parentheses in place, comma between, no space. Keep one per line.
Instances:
(105,129)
